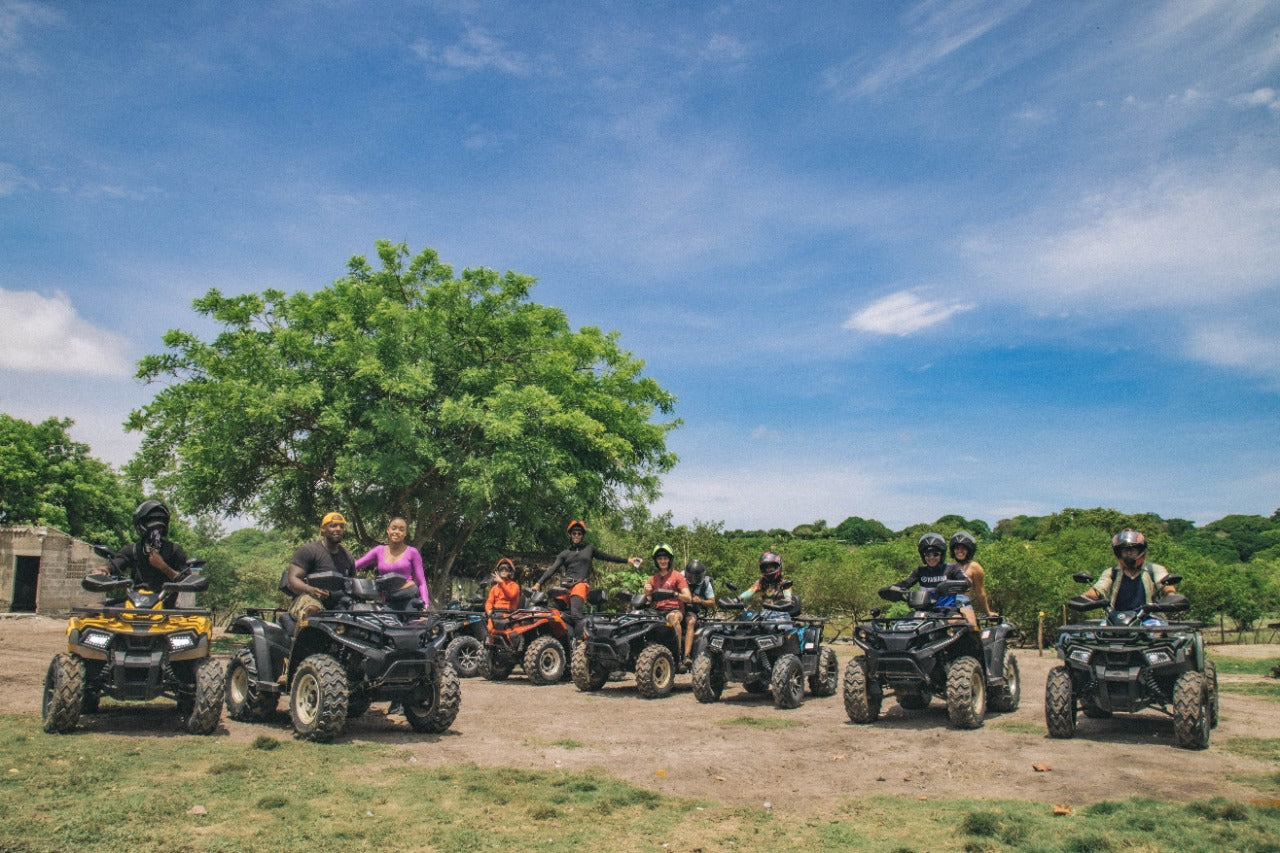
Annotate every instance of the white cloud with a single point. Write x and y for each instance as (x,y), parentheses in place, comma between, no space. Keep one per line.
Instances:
(1263,97)
(1180,238)
(1231,345)
(902,313)
(477,50)
(12,180)
(15,16)
(45,335)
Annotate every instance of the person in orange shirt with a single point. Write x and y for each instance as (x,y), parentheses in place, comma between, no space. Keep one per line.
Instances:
(505,593)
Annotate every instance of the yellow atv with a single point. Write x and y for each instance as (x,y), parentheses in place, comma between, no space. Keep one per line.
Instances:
(136,647)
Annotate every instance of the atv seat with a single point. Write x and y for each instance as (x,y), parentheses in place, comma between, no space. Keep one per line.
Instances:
(500,620)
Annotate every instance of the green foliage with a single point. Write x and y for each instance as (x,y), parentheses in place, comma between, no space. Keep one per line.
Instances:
(862,531)
(244,569)
(453,401)
(48,479)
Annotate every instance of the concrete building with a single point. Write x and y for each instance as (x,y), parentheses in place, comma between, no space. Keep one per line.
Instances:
(41,569)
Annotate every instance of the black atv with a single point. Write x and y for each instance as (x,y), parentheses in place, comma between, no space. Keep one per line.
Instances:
(335,663)
(1128,661)
(773,649)
(467,628)
(135,648)
(933,651)
(640,641)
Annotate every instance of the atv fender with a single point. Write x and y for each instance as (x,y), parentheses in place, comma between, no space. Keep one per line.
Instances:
(269,643)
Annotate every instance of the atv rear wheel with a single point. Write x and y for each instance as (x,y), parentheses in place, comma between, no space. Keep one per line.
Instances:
(1211,681)
(787,683)
(1191,711)
(544,661)
(318,699)
(464,654)
(655,671)
(435,704)
(826,678)
(246,701)
(206,705)
(64,692)
(495,667)
(586,677)
(1060,703)
(860,703)
(1008,697)
(708,679)
(966,693)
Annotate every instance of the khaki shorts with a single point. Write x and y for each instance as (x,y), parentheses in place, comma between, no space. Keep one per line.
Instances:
(304,604)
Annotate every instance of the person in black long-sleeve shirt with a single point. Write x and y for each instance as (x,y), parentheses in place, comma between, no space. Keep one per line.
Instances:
(574,564)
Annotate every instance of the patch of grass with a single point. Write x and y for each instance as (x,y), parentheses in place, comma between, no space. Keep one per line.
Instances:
(1245,666)
(1247,688)
(1266,784)
(265,743)
(99,792)
(761,722)
(1018,727)
(228,644)
(561,743)
(1268,749)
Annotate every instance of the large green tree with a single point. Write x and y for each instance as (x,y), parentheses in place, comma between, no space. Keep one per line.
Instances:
(48,479)
(452,400)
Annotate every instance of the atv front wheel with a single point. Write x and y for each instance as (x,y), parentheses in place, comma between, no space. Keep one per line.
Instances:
(1008,697)
(826,678)
(860,703)
(708,679)
(544,661)
(318,699)
(464,654)
(1060,703)
(655,671)
(1191,711)
(435,705)
(63,693)
(787,684)
(966,693)
(246,700)
(586,677)
(495,667)
(206,705)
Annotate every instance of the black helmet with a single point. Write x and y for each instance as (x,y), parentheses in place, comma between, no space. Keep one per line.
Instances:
(961,537)
(695,571)
(770,566)
(1130,538)
(151,515)
(931,542)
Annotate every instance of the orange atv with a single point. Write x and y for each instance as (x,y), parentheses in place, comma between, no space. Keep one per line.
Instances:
(535,635)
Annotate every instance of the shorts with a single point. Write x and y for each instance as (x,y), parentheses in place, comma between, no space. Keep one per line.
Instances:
(303,604)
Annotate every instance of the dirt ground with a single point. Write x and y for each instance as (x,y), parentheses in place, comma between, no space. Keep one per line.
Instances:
(680,747)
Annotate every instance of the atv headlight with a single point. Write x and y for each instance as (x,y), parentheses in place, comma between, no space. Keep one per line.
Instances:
(717,642)
(1080,655)
(181,642)
(1158,657)
(769,641)
(96,639)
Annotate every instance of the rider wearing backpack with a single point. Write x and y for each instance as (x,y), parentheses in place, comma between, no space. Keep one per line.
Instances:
(1134,582)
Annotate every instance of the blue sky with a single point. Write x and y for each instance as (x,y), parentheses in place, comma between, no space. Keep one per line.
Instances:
(895,260)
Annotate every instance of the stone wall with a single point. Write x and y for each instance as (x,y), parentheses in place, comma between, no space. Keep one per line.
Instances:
(64,562)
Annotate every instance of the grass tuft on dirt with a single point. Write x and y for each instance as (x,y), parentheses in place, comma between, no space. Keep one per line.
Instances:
(768,723)
(1245,666)
(1267,749)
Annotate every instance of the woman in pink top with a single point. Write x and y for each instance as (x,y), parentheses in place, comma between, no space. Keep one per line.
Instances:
(398,558)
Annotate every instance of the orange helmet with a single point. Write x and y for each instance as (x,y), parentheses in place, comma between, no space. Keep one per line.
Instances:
(578,524)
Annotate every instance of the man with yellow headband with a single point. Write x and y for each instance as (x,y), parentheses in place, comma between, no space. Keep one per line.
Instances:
(326,555)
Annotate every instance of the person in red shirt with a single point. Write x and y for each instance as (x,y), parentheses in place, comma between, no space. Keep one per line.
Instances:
(669,579)
(505,593)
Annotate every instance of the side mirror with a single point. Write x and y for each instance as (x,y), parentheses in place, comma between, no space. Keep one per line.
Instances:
(1171,580)
(1082,577)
